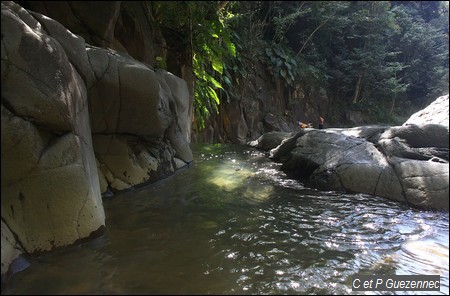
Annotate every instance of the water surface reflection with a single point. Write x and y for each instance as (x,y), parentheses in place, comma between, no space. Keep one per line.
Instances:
(234,224)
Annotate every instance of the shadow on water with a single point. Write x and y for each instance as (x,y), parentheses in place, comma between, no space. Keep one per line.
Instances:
(233,223)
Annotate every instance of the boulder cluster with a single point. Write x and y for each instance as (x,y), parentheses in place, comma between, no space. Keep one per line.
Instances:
(407,163)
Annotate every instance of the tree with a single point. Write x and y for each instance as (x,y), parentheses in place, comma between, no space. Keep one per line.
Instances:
(423,44)
(363,54)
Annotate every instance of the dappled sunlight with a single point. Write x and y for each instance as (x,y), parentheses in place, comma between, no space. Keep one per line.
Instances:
(231,175)
(228,177)
(259,193)
(359,131)
(239,173)
(233,223)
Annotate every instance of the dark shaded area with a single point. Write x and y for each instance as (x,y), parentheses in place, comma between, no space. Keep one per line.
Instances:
(300,169)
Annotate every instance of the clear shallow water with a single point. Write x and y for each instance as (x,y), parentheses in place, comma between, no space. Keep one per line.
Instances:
(234,224)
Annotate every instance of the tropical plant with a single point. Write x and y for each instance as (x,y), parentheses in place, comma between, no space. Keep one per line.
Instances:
(282,62)
(212,46)
(201,26)
(363,54)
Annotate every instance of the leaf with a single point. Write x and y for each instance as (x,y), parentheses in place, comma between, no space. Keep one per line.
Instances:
(214,82)
(231,48)
(291,76)
(294,63)
(227,80)
(278,51)
(273,59)
(217,64)
(288,65)
(213,95)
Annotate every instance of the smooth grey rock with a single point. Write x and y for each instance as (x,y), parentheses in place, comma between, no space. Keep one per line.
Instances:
(406,163)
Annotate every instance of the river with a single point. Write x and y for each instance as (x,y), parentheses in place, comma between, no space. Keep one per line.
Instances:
(233,223)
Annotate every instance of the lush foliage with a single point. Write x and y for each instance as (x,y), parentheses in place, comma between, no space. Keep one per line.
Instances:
(369,51)
(204,27)
(212,46)
(365,55)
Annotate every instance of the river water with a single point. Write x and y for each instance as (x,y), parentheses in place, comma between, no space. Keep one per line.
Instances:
(233,223)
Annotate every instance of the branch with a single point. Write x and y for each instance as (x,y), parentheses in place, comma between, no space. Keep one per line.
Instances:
(310,36)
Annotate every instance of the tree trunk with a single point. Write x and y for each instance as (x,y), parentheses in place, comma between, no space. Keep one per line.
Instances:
(393,104)
(357,89)
(310,36)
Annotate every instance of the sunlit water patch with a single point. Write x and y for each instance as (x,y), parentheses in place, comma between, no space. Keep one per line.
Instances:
(233,223)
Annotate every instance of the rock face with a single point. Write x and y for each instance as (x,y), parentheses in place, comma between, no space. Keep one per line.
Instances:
(406,163)
(139,118)
(78,121)
(50,188)
(436,112)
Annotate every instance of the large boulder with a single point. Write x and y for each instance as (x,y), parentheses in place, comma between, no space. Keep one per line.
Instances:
(129,102)
(332,160)
(95,21)
(436,113)
(135,111)
(50,188)
(78,121)
(406,163)
(125,26)
(11,249)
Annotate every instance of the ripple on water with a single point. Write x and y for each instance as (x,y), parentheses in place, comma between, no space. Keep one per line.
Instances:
(235,224)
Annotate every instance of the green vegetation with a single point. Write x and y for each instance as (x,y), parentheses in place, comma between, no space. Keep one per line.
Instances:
(203,27)
(282,63)
(385,58)
(212,46)
(161,63)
